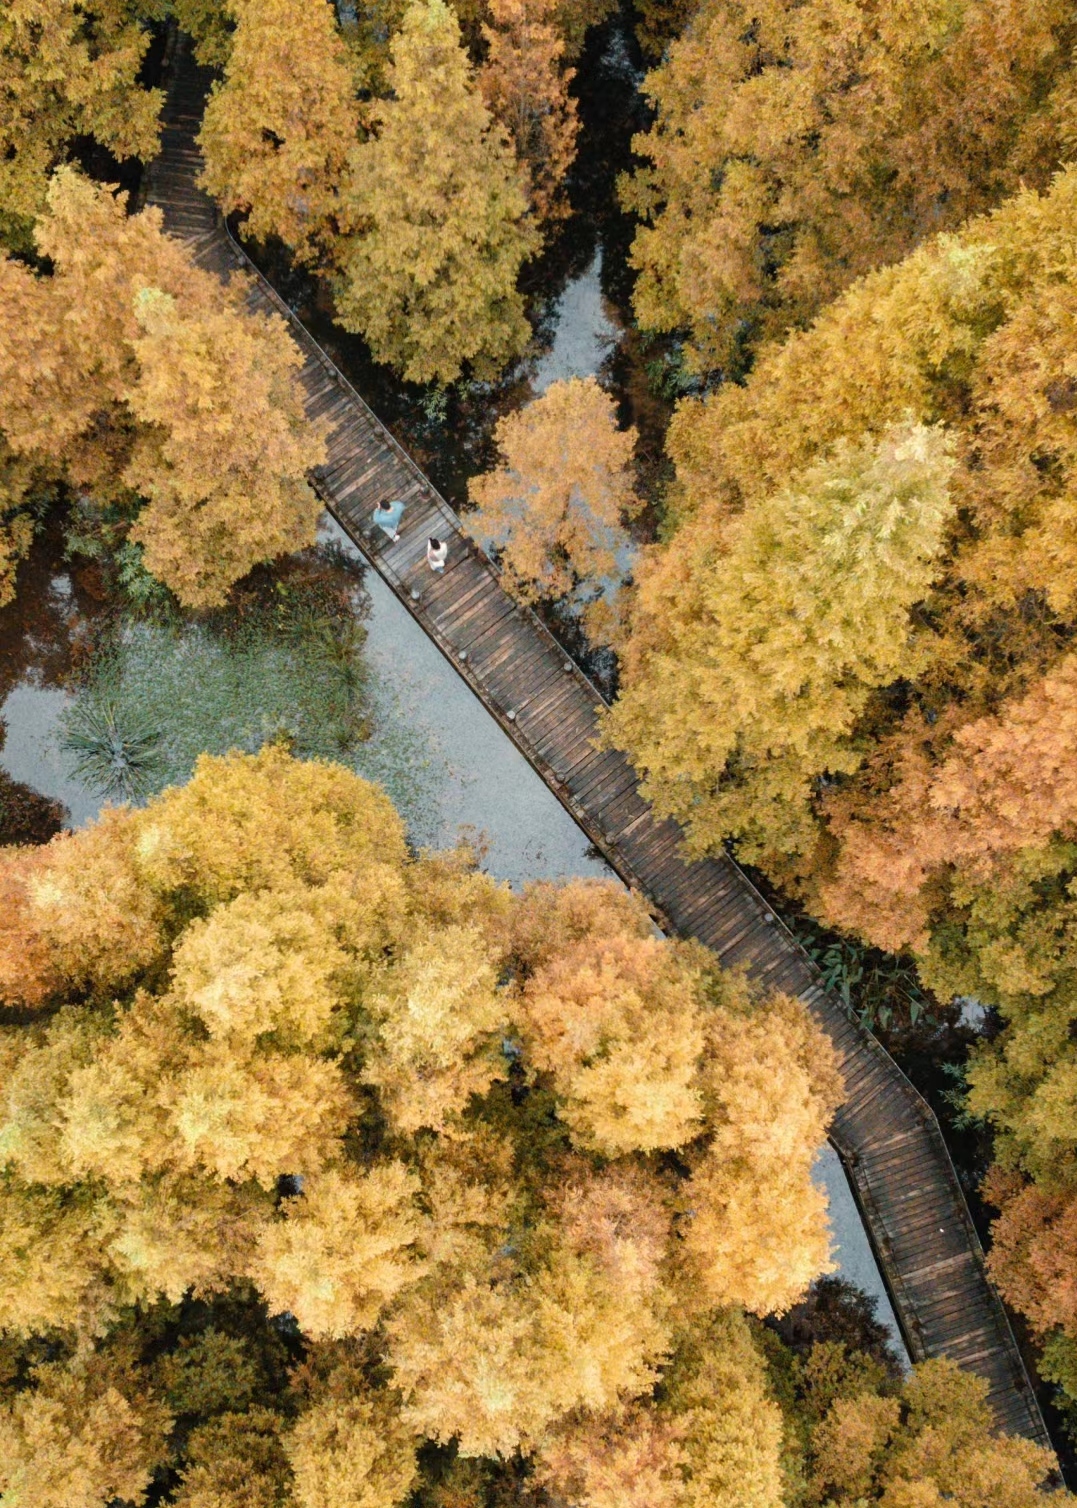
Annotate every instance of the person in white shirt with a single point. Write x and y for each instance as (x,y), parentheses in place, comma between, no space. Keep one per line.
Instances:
(437,552)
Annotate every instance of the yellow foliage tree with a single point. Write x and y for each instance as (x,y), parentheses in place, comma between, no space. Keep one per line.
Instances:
(932,1444)
(278,128)
(929,340)
(351,1455)
(555,508)
(343,1250)
(429,274)
(224,454)
(66,70)
(235,1461)
(435,1045)
(798,146)
(800,609)
(283,1068)
(729,1428)
(526,89)
(74,1441)
(756,1233)
(168,1146)
(617,1021)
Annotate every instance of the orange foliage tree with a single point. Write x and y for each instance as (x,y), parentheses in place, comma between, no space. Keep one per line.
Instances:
(137,378)
(526,89)
(67,70)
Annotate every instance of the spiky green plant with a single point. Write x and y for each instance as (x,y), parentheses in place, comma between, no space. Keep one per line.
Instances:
(117,755)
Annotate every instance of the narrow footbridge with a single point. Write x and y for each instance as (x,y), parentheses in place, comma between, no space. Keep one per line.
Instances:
(887,1137)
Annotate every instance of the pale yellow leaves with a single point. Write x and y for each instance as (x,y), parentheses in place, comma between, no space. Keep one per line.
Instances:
(495,1366)
(173,1235)
(556,506)
(343,1249)
(756,1232)
(261,1116)
(224,455)
(266,822)
(434,1047)
(261,963)
(350,1455)
(800,606)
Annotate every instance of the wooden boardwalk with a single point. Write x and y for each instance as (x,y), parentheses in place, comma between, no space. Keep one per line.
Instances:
(887,1137)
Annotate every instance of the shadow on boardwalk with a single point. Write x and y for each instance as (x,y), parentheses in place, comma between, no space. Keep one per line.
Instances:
(887,1137)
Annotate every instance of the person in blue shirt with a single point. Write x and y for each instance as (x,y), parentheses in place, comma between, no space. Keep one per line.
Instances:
(387,516)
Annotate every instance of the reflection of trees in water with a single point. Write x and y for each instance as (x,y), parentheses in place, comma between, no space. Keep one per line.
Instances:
(46,631)
(26,816)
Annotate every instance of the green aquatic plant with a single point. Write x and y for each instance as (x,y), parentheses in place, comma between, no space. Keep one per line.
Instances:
(117,752)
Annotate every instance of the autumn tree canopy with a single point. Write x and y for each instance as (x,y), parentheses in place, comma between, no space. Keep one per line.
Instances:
(902,410)
(855,656)
(867,1436)
(428,274)
(68,68)
(270,1064)
(798,146)
(140,380)
(279,126)
(525,88)
(556,506)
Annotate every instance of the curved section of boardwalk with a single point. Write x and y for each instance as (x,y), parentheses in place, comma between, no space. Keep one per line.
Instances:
(887,1137)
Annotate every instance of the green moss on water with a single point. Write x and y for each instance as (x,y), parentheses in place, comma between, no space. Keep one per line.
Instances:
(284,664)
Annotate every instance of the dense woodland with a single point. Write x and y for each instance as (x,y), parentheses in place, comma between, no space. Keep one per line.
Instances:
(334,1174)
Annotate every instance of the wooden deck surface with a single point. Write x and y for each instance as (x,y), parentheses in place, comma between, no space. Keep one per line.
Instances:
(887,1137)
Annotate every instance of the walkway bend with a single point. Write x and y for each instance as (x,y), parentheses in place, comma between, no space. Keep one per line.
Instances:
(887,1137)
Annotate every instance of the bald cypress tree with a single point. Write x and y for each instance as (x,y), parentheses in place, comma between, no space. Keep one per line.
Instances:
(439,215)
